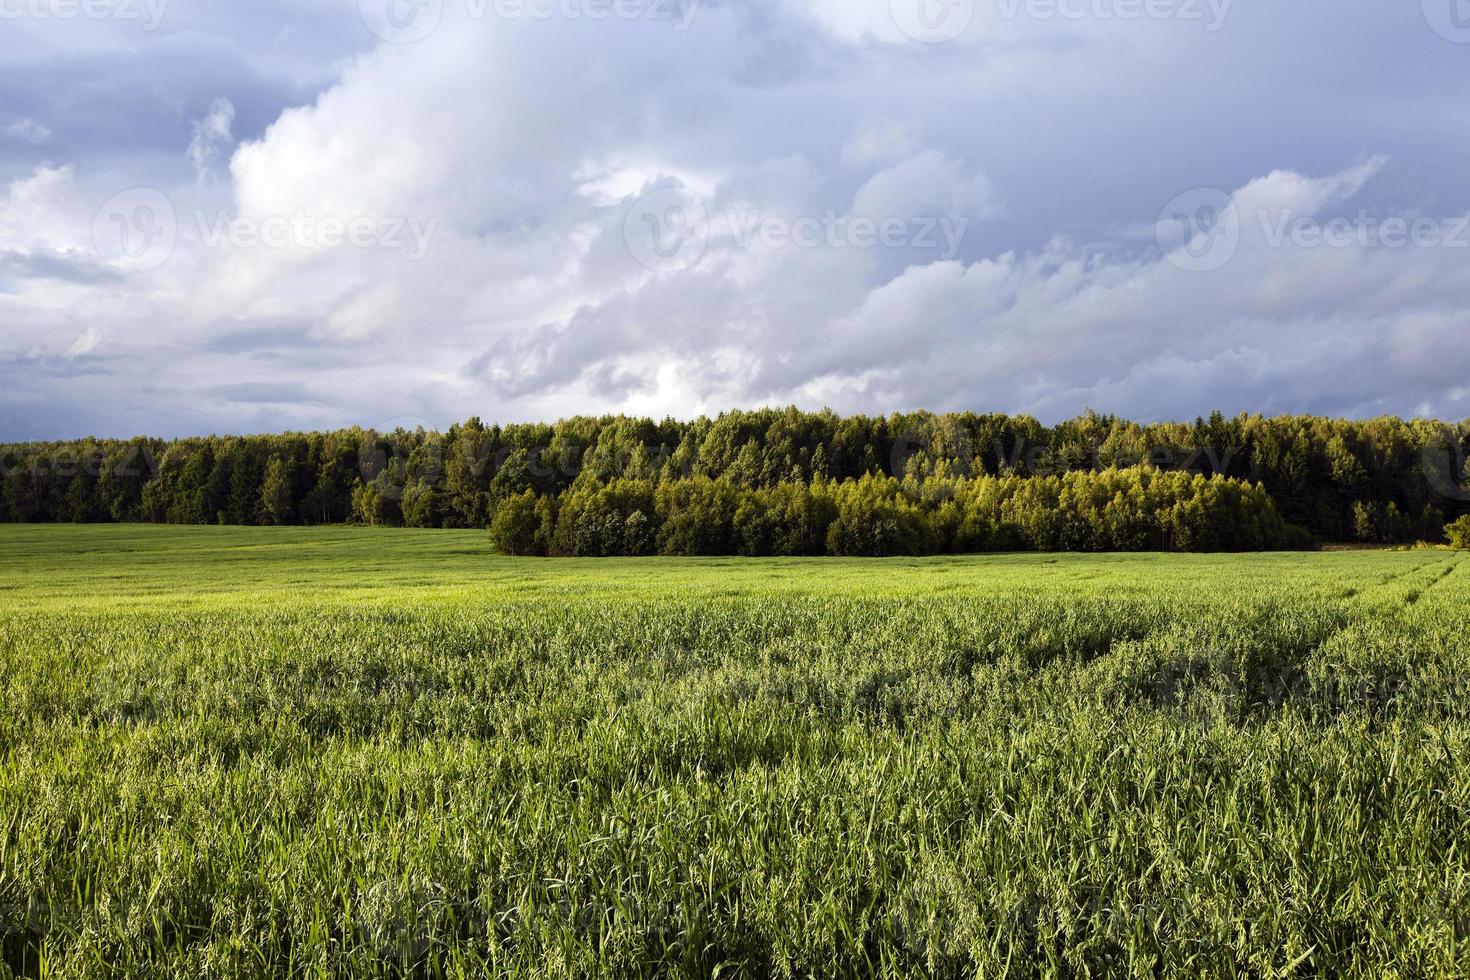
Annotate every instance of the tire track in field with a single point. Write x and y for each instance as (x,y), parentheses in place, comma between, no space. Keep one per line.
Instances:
(1450,567)
(1355,614)
(1354,601)
(1355,610)
(1392,577)
(1395,576)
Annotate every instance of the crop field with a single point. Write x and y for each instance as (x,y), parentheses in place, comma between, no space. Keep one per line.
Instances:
(347,752)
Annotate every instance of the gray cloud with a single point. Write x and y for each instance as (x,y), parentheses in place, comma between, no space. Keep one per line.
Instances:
(529,145)
(262,337)
(264,392)
(68,267)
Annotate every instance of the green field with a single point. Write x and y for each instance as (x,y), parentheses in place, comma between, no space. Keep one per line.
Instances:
(345,752)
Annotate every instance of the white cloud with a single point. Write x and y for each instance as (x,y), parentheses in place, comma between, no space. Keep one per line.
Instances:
(528,142)
(1286,191)
(27,130)
(881,141)
(928,184)
(211,135)
(86,343)
(30,212)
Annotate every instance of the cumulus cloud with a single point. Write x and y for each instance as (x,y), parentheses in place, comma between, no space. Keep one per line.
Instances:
(796,201)
(27,212)
(1284,190)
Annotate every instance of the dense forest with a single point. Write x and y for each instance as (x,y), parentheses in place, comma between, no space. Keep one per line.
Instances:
(786,482)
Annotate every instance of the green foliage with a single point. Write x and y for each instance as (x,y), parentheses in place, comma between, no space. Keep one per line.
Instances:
(697,516)
(379,501)
(875,519)
(275,494)
(1378,481)
(517,528)
(342,752)
(789,520)
(596,521)
(1458,533)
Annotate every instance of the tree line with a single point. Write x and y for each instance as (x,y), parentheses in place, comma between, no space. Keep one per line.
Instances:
(783,481)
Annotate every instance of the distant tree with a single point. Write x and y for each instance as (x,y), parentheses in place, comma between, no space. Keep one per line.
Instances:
(378,501)
(420,506)
(1431,524)
(775,481)
(247,473)
(516,528)
(876,520)
(638,534)
(275,493)
(467,473)
(1458,533)
(331,496)
(757,527)
(697,516)
(1365,522)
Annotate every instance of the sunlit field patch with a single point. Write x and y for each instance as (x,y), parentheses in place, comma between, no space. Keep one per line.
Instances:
(347,752)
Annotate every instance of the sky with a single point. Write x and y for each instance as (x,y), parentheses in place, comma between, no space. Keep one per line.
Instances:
(219,217)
